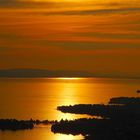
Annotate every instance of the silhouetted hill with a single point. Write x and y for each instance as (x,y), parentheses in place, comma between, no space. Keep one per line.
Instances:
(38,73)
(31,73)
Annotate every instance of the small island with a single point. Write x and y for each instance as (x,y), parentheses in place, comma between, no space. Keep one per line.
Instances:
(14,124)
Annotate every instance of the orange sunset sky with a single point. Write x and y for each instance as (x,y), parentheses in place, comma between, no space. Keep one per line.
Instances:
(98,36)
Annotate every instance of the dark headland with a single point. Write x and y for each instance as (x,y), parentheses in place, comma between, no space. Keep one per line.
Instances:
(120,120)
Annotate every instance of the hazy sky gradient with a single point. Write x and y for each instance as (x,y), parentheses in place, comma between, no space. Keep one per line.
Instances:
(95,36)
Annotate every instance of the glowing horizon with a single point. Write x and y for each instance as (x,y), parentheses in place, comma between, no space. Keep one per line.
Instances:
(69,78)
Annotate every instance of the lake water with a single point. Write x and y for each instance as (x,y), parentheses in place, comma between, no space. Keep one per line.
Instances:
(38,99)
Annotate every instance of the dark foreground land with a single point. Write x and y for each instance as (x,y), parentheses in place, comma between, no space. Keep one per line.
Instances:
(120,120)
(14,125)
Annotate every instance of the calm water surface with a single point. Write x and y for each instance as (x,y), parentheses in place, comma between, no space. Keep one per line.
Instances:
(38,99)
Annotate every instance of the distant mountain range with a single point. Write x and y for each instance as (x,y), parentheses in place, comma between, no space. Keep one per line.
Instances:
(31,73)
(39,73)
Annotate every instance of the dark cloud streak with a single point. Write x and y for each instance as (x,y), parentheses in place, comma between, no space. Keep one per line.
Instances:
(92,12)
(24,4)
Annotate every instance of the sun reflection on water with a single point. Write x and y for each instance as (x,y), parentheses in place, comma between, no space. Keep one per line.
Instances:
(69,137)
(67,94)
